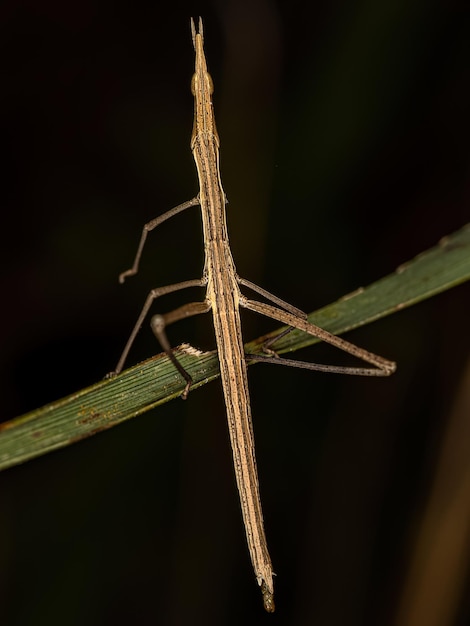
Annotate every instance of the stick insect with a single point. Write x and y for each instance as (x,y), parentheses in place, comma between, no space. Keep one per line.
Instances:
(224,298)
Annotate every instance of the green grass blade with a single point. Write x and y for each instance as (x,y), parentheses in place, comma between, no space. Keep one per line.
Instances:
(155,381)
(431,272)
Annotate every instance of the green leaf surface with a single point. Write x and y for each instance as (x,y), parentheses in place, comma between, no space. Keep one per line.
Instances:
(155,381)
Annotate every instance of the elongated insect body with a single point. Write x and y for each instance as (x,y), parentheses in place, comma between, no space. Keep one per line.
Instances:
(224,298)
(223,293)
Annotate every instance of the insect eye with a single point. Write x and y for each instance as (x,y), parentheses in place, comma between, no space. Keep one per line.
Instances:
(209,83)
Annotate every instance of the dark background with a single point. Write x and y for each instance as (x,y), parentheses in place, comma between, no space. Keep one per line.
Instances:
(344,130)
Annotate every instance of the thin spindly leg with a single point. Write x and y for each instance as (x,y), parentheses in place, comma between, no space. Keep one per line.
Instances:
(382,367)
(269,296)
(284,305)
(153,295)
(317,367)
(150,226)
(158,323)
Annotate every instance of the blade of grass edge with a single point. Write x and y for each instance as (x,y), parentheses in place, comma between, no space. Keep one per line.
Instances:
(155,381)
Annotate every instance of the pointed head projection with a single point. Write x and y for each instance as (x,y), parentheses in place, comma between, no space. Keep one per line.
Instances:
(202,88)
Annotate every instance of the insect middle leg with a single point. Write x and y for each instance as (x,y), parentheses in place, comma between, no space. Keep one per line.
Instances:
(153,295)
(158,323)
